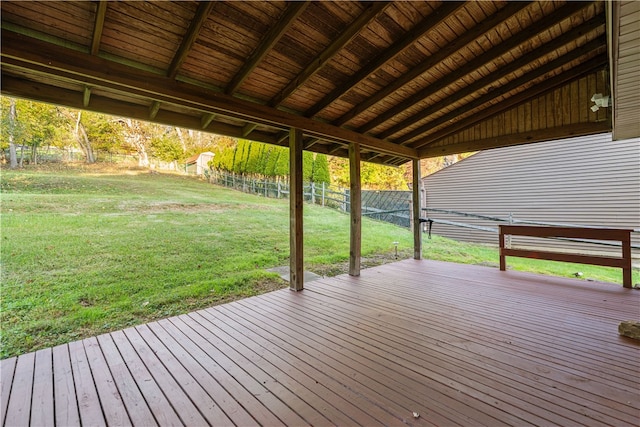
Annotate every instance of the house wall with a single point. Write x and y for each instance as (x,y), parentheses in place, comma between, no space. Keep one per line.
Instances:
(588,181)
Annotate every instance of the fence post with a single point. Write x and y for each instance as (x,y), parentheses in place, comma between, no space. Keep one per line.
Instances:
(323,194)
(313,193)
(279,189)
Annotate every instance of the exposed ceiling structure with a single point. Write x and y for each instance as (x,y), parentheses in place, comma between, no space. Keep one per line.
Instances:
(404,80)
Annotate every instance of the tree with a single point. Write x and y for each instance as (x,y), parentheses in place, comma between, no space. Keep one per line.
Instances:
(307,166)
(321,170)
(137,135)
(13,128)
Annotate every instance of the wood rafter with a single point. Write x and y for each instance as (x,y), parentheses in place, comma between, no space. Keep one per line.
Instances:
(542,25)
(291,13)
(153,109)
(336,45)
(86,96)
(24,52)
(203,11)
(101,12)
(248,128)
(505,89)
(394,50)
(468,37)
(206,120)
(491,79)
(514,101)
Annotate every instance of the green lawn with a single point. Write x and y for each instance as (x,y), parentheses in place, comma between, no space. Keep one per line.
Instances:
(87,250)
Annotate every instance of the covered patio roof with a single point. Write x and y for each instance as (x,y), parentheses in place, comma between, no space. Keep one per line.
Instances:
(404,80)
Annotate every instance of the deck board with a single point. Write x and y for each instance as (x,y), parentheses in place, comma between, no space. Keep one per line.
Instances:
(457,344)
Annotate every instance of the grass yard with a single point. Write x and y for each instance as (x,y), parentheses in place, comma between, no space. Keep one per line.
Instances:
(90,249)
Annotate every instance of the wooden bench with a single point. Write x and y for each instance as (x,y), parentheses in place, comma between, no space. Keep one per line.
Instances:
(610,234)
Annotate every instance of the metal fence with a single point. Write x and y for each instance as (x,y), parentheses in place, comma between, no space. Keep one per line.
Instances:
(387,206)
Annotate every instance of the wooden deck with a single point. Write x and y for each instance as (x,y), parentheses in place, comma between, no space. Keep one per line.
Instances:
(456,344)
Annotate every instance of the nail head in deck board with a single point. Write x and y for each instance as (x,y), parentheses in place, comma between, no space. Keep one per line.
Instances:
(137,408)
(19,407)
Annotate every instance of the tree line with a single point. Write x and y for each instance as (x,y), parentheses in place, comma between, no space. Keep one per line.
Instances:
(256,158)
(27,126)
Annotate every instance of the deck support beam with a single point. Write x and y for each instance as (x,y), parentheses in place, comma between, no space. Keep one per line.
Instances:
(417,225)
(296,259)
(355,209)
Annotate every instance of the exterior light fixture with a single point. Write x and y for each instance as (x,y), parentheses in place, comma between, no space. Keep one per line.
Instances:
(599,101)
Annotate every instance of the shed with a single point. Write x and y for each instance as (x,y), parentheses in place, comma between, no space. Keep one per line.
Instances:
(198,163)
(586,181)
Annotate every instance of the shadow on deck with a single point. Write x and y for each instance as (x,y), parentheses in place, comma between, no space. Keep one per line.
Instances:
(456,344)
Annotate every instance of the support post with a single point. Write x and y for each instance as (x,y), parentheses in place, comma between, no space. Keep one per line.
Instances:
(296,259)
(417,229)
(355,208)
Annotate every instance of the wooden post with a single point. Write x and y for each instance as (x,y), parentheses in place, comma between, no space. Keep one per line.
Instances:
(323,194)
(417,229)
(296,259)
(355,208)
(627,281)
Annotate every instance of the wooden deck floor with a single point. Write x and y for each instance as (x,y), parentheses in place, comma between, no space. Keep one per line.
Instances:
(458,345)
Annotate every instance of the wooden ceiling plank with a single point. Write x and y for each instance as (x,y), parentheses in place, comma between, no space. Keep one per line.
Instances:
(101,12)
(291,13)
(336,45)
(544,24)
(534,55)
(201,15)
(567,131)
(538,90)
(28,53)
(433,60)
(394,50)
(502,90)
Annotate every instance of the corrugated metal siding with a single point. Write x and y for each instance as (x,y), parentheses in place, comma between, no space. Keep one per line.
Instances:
(589,181)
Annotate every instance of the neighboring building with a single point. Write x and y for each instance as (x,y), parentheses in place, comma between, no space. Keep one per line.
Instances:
(588,181)
(198,163)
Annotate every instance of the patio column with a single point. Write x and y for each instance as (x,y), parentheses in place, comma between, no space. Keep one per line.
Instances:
(417,225)
(296,259)
(355,206)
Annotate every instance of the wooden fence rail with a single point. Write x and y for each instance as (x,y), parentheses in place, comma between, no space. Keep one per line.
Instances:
(621,235)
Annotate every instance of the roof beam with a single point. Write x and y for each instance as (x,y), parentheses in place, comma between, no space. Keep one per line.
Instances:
(521,81)
(408,39)
(292,12)
(497,51)
(336,45)
(13,86)
(27,53)
(436,58)
(206,120)
(514,101)
(153,109)
(202,13)
(101,12)
(86,96)
(535,55)
(566,131)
